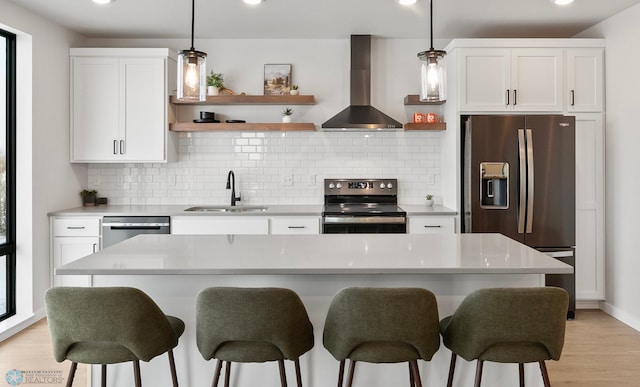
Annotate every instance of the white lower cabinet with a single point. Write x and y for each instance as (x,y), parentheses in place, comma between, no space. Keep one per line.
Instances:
(219,225)
(72,239)
(295,225)
(431,225)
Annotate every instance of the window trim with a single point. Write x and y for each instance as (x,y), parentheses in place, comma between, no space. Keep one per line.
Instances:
(9,249)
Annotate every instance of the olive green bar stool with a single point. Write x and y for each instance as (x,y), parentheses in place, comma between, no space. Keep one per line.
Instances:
(252,325)
(507,325)
(382,325)
(107,326)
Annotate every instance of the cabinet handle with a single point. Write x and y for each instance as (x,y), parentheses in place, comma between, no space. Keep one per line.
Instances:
(75,227)
(115,147)
(121,147)
(428,226)
(296,227)
(573,97)
(94,247)
(515,97)
(508,95)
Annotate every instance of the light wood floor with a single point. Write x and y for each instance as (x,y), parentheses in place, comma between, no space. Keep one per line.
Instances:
(599,351)
(31,351)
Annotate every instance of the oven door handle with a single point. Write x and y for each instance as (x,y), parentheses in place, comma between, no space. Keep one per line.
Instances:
(364,219)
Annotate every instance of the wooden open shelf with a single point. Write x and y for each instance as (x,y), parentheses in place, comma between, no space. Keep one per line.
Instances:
(250,100)
(206,127)
(412,126)
(414,99)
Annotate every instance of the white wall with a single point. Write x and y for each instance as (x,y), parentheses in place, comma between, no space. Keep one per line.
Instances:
(622,33)
(321,68)
(46,180)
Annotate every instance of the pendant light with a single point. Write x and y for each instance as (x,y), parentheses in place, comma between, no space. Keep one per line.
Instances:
(432,70)
(192,70)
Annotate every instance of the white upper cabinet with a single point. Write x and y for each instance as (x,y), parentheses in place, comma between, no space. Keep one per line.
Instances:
(119,105)
(585,80)
(511,79)
(485,79)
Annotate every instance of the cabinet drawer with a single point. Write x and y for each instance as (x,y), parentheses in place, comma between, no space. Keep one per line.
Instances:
(219,225)
(295,225)
(432,225)
(76,227)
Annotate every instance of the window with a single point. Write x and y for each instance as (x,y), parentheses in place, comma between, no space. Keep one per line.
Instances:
(7,174)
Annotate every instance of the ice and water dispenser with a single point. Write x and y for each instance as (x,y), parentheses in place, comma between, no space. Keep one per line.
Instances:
(494,185)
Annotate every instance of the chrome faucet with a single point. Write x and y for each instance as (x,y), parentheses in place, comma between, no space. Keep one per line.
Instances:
(231,184)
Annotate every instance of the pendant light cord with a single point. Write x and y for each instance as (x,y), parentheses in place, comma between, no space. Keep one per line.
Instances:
(193,21)
(430,23)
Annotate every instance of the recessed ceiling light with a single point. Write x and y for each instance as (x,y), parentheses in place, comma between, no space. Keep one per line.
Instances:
(103,1)
(561,2)
(406,2)
(252,2)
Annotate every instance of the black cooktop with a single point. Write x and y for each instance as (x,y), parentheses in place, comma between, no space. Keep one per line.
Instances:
(363,209)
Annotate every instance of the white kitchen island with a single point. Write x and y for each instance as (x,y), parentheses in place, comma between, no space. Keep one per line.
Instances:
(172,269)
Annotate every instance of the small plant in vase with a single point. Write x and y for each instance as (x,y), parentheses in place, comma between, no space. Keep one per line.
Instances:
(88,197)
(286,115)
(215,83)
(294,90)
(429,200)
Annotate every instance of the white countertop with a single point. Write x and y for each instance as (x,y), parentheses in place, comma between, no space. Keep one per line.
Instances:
(317,254)
(272,210)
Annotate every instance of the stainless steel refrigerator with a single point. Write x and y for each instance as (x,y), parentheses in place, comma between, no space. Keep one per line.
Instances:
(519,180)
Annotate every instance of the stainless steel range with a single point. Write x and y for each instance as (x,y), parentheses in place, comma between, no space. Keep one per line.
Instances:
(362,206)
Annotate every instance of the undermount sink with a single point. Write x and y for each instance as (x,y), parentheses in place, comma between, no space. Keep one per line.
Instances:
(227,209)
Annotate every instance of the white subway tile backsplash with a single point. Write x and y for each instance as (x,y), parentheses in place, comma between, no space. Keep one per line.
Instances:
(261,160)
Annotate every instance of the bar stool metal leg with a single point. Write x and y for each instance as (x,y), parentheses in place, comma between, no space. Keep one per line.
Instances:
(136,373)
(413,364)
(341,373)
(72,373)
(521,373)
(216,375)
(412,382)
(352,370)
(545,374)
(452,368)
(104,376)
(283,375)
(227,374)
(298,375)
(172,365)
(479,373)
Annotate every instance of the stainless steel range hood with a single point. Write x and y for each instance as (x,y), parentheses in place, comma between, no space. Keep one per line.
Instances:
(360,115)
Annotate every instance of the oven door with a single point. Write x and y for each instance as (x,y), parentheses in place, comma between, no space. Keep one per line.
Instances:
(341,224)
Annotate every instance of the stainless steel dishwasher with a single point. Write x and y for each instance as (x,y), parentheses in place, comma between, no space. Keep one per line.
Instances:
(115,229)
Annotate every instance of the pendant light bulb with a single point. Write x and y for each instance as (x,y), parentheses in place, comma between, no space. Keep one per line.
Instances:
(191,77)
(192,70)
(432,71)
(432,77)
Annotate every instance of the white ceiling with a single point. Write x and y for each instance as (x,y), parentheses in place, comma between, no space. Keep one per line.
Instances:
(311,19)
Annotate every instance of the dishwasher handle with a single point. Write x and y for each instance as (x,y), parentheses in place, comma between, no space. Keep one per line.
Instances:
(135,226)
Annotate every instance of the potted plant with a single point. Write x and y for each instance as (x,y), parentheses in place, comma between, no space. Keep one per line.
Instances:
(286,115)
(429,198)
(294,90)
(88,197)
(215,82)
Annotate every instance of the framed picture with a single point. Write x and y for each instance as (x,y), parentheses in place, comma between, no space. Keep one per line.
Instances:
(277,79)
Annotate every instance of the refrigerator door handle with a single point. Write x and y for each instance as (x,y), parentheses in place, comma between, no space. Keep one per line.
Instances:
(530,178)
(523,183)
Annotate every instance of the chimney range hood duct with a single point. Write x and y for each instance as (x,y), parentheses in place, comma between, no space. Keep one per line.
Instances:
(360,115)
